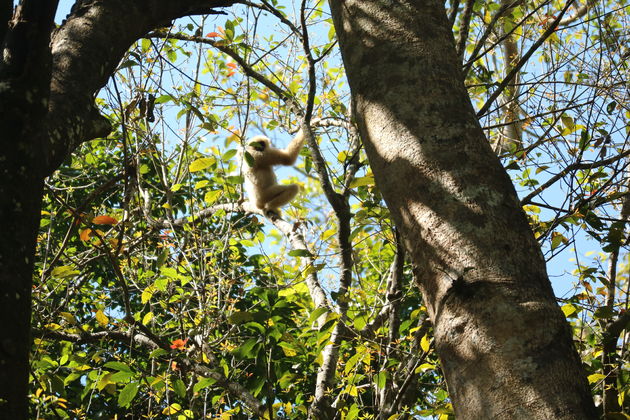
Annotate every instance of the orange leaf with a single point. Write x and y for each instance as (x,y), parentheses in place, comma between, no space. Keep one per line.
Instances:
(231,73)
(213,35)
(232,65)
(179,344)
(85,235)
(104,220)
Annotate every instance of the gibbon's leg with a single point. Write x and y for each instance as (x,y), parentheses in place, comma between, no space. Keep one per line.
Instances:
(252,208)
(278,195)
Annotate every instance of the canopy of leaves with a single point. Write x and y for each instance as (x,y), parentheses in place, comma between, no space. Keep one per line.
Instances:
(155,295)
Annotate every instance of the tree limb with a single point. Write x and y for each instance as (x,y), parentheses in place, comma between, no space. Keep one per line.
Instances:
(508,78)
(86,50)
(570,168)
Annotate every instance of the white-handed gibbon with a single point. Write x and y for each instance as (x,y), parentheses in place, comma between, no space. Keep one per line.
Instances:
(264,193)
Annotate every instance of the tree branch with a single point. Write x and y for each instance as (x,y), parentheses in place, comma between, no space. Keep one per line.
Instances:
(464,28)
(86,50)
(573,167)
(508,78)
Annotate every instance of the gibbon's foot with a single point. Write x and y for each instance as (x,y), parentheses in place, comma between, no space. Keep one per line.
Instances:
(272,214)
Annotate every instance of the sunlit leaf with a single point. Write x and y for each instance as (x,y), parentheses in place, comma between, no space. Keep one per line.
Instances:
(201,164)
(101,318)
(425,343)
(595,377)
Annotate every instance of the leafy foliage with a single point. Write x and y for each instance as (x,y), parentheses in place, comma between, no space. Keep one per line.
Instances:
(155,296)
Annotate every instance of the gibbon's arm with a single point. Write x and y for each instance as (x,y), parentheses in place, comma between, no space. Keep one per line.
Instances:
(286,156)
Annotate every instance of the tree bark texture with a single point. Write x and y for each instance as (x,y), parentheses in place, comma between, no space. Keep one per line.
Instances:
(24,85)
(48,80)
(505,347)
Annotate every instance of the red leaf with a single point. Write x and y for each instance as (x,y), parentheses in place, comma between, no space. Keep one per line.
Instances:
(213,35)
(179,344)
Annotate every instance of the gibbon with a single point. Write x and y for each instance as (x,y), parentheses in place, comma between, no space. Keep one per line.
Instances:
(265,195)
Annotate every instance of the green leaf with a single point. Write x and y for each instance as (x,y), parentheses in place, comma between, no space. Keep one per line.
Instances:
(179,387)
(157,353)
(300,253)
(127,394)
(64,271)
(353,412)
(317,313)
(352,362)
(147,318)
(249,159)
(241,317)
(118,366)
(201,164)
(163,99)
(127,63)
(568,122)
(101,318)
(248,349)
(610,108)
(203,383)
(172,409)
(201,184)
(360,321)
(121,377)
(212,196)
(557,239)
(381,379)
(361,181)
(584,140)
(228,155)
(169,272)
(286,380)
(145,44)
(71,378)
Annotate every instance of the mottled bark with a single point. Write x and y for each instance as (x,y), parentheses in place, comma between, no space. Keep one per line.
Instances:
(505,346)
(48,80)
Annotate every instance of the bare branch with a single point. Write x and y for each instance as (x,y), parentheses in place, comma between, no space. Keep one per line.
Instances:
(247,69)
(573,167)
(85,52)
(508,79)
(464,27)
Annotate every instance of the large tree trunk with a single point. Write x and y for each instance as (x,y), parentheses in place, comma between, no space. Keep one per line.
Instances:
(48,80)
(24,93)
(20,199)
(505,346)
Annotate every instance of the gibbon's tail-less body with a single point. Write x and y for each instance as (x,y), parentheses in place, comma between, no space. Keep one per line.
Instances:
(264,193)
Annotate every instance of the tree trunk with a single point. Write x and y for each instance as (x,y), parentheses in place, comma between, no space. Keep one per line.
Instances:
(25,71)
(505,346)
(21,194)
(47,89)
